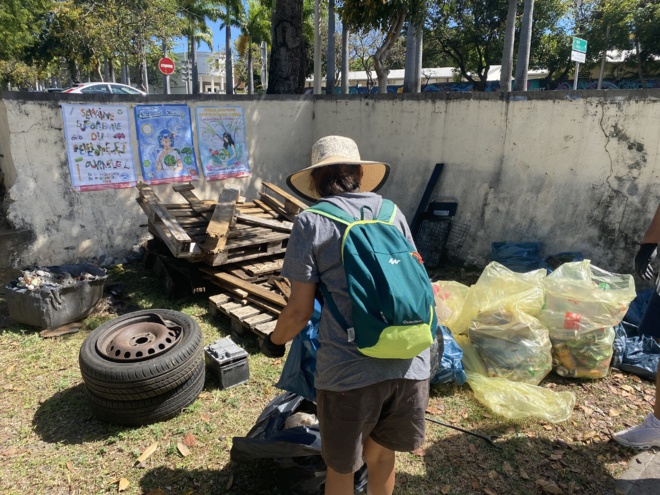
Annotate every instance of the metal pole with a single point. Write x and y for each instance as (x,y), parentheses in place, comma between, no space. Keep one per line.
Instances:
(166,78)
(602,62)
(317,47)
(575,78)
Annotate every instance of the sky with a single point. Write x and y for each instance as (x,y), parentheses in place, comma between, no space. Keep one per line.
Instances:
(218,39)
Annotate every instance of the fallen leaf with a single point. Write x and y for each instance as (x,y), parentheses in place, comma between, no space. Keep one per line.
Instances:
(548,427)
(613,413)
(69,465)
(445,489)
(435,410)
(145,455)
(9,370)
(155,491)
(488,491)
(183,450)
(572,486)
(556,456)
(230,482)
(587,410)
(476,484)
(492,474)
(123,484)
(204,417)
(472,449)
(549,487)
(189,440)
(523,474)
(419,452)
(506,467)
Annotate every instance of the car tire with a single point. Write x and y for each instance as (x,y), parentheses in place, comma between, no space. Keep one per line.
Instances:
(113,377)
(153,409)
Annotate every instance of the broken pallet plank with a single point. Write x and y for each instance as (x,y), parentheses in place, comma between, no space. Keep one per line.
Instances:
(251,289)
(292,204)
(252,220)
(222,220)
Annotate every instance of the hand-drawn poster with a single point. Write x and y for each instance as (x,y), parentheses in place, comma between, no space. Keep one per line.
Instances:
(98,145)
(165,142)
(221,139)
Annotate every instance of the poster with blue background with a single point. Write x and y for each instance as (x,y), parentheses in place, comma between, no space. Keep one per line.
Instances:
(221,139)
(165,142)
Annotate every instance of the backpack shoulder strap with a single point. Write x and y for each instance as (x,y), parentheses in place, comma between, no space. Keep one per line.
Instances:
(331,211)
(387,211)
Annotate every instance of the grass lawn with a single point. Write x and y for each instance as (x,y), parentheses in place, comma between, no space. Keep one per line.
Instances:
(51,443)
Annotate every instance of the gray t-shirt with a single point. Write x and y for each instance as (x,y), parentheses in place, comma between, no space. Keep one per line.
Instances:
(314,254)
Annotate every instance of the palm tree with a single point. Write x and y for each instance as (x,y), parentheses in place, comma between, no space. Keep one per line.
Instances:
(255,28)
(195,13)
(524,47)
(507,53)
(233,12)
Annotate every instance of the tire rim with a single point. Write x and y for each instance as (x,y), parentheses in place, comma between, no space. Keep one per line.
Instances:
(139,341)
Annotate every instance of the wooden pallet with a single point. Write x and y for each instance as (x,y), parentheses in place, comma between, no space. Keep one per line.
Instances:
(246,318)
(217,233)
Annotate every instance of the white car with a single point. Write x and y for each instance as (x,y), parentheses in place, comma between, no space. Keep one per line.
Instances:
(103,87)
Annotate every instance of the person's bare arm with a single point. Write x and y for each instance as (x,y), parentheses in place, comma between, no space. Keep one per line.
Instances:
(296,313)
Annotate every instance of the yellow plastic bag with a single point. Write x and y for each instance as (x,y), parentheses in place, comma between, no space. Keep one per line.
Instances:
(512,345)
(511,399)
(501,288)
(582,304)
(449,299)
(521,400)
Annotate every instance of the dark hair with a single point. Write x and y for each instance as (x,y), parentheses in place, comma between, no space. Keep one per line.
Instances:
(336,179)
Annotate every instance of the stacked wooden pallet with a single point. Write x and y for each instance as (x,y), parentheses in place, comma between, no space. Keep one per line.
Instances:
(236,245)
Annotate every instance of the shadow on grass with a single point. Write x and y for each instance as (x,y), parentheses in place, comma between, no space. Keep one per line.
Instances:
(257,477)
(463,464)
(67,418)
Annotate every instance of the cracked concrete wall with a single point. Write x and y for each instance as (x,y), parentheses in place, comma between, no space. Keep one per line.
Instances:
(575,171)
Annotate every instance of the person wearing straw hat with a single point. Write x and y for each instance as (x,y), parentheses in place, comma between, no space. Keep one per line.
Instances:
(368,408)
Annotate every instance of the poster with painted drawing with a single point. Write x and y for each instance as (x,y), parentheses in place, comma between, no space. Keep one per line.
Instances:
(165,142)
(221,139)
(98,146)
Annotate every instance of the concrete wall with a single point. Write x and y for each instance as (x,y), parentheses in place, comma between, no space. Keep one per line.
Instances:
(575,171)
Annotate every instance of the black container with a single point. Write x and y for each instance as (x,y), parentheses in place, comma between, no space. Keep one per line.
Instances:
(227,362)
(443,207)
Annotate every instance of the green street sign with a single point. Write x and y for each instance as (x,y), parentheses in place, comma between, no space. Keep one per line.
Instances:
(580,45)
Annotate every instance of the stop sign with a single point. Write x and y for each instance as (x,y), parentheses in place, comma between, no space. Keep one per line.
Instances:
(166,65)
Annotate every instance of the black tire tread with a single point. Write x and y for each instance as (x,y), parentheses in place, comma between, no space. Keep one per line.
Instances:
(153,409)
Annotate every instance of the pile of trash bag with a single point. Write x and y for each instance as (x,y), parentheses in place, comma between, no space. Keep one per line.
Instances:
(514,328)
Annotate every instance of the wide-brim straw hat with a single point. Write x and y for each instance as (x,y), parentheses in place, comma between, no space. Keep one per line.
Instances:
(338,150)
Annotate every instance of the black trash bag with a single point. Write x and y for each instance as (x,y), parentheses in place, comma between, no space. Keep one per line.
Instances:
(296,451)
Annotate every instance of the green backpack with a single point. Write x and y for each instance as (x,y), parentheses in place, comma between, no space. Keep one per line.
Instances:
(393,306)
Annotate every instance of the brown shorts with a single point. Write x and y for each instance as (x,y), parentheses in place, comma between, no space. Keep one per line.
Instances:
(391,413)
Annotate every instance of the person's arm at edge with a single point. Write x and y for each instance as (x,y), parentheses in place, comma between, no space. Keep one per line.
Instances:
(296,314)
(652,235)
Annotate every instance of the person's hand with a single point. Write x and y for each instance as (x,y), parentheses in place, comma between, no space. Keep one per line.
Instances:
(643,259)
(269,349)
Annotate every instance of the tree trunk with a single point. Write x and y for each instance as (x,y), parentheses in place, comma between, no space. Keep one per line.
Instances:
(410,59)
(193,60)
(287,59)
(642,81)
(507,53)
(249,67)
(524,47)
(229,71)
(380,57)
(419,48)
(344,59)
(330,76)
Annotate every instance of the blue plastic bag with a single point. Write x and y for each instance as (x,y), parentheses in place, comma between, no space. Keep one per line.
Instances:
(517,256)
(300,365)
(449,367)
